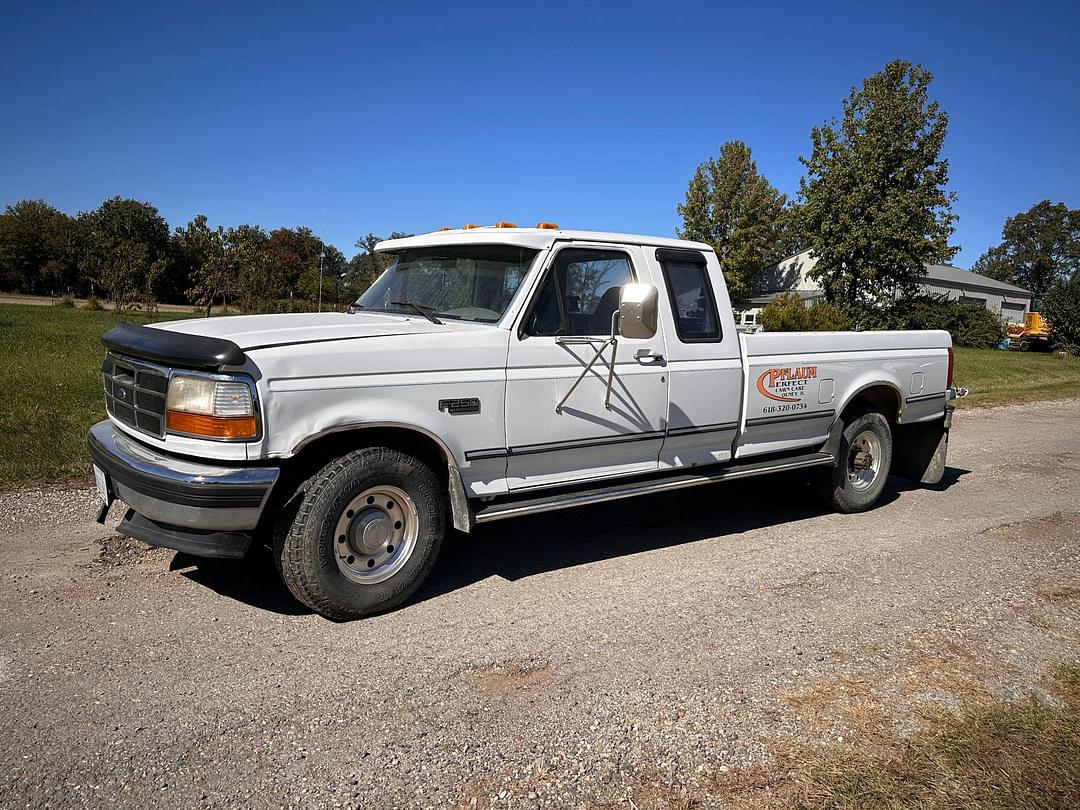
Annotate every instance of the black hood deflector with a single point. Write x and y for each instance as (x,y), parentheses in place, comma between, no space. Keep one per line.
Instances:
(173,348)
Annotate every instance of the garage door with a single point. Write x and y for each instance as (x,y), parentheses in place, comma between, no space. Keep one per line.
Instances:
(1013,313)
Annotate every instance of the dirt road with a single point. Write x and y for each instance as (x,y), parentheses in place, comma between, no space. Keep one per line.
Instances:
(638,651)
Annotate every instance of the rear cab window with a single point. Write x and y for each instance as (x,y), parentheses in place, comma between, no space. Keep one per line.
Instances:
(693,305)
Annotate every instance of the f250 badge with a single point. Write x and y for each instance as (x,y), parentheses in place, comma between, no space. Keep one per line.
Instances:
(457,407)
(785,384)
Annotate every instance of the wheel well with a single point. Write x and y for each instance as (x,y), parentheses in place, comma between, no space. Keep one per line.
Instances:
(881,398)
(316,454)
(322,450)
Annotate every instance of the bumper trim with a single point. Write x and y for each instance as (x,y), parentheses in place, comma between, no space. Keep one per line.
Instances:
(178,491)
(231,545)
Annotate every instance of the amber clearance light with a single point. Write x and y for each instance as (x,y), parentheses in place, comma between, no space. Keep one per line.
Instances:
(214,408)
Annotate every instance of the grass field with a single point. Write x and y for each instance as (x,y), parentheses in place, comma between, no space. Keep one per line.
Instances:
(999,378)
(50,392)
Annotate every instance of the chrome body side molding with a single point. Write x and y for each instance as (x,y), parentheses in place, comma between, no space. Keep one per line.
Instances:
(629,489)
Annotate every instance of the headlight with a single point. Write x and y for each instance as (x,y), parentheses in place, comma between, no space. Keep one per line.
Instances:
(216,409)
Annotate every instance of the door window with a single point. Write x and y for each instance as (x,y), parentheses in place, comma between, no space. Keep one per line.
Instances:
(580,294)
(691,295)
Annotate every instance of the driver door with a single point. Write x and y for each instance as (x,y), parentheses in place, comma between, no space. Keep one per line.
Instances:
(567,320)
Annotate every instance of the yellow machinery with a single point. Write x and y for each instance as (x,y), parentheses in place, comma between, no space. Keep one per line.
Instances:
(1031,335)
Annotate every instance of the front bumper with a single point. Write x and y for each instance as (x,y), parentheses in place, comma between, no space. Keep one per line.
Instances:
(177,493)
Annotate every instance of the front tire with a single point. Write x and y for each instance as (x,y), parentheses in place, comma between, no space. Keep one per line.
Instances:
(362,534)
(862,464)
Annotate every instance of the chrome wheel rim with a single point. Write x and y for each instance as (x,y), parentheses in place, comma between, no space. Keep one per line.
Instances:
(376,534)
(864,460)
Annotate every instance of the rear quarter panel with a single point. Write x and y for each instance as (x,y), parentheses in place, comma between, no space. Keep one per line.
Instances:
(798,383)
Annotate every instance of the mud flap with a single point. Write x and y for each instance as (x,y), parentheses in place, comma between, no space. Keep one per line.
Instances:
(920,450)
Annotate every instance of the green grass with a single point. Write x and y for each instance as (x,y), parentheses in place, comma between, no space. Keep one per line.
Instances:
(50,389)
(999,378)
(50,392)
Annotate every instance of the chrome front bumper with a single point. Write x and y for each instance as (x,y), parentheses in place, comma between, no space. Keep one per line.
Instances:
(177,491)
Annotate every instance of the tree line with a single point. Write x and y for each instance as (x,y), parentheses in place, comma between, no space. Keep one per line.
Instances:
(875,208)
(873,205)
(124,251)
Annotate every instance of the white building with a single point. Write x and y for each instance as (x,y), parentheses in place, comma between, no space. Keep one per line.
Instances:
(792,275)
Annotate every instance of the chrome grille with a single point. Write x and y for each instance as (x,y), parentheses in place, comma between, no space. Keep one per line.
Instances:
(135,393)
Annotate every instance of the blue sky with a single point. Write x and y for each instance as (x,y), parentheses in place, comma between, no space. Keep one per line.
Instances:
(354,117)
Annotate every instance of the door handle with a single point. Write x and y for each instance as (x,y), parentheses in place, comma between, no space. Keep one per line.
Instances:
(646,355)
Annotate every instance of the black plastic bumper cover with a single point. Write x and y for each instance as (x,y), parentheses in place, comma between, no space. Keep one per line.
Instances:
(190,541)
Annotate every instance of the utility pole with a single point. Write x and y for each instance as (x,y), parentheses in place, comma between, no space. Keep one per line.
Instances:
(322,252)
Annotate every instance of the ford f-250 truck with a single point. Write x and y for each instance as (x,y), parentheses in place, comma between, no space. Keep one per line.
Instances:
(489,373)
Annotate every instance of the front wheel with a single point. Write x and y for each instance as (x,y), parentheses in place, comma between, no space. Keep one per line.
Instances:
(862,464)
(362,534)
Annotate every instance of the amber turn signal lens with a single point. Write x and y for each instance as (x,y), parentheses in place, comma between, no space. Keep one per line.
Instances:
(214,427)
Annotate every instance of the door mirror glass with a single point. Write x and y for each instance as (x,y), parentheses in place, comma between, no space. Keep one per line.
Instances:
(637,310)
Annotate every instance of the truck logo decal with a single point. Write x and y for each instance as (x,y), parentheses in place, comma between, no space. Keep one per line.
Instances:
(456,407)
(785,384)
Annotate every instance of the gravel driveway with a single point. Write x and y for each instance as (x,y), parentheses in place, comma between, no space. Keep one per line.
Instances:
(625,655)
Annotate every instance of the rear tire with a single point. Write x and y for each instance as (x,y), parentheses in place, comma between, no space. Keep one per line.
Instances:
(862,464)
(362,534)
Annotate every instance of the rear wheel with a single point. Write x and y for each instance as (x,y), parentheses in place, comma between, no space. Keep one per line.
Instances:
(863,463)
(362,534)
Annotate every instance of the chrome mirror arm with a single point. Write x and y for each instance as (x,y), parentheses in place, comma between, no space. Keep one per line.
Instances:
(612,341)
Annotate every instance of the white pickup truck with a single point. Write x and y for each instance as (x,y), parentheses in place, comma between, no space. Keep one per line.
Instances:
(489,373)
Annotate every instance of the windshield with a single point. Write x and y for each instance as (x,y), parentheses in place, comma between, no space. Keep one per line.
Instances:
(461,282)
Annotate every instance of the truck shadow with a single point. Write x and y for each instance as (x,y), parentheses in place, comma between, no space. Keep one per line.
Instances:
(548,542)
(253,580)
(527,546)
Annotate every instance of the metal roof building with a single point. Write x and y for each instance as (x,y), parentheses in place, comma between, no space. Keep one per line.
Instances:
(792,275)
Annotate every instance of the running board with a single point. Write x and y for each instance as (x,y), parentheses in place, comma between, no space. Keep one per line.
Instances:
(614,492)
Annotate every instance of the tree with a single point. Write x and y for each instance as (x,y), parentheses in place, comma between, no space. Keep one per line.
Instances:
(37,249)
(875,207)
(125,243)
(289,252)
(245,247)
(732,207)
(332,266)
(211,269)
(1039,248)
(1062,309)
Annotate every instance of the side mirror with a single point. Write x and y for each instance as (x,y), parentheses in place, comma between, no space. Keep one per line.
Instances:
(638,304)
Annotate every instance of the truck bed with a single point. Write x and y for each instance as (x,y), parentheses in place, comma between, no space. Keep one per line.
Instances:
(795,383)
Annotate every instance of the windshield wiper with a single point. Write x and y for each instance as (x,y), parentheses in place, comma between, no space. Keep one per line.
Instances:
(427,312)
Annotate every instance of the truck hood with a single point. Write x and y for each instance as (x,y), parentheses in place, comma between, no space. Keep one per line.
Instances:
(262,331)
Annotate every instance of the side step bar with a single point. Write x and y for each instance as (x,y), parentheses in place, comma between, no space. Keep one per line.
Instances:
(614,492)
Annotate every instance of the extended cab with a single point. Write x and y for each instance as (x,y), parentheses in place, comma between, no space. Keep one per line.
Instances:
(491,373)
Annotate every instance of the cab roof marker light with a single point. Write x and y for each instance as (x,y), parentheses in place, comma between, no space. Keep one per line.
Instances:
(469,227)
(547,226)
(505,225)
